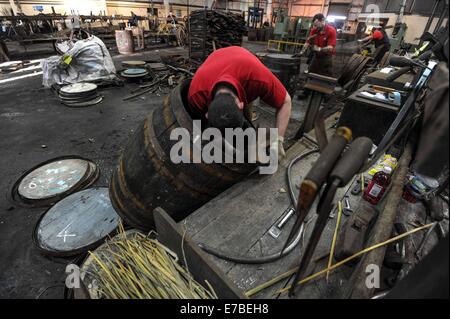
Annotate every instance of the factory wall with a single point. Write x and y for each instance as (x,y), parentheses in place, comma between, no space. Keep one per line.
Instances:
(60,6)
(179,7)
(5,7)
(308,8)
(416,25)
(139,7)
(111,7)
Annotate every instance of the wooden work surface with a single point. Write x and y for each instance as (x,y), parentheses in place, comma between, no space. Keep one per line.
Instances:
(238,221)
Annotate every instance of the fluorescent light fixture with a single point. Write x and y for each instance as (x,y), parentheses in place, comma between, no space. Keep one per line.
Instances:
(334,18)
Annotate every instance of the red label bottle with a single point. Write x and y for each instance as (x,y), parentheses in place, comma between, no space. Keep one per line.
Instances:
(377,186)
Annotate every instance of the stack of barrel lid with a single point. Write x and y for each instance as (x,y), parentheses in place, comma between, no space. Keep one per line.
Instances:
(78,218)
(80,94)
(134,70)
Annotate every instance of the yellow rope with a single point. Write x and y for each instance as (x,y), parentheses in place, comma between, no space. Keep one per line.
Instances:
(362,183)
(273,281)
(333,242)
(362,252)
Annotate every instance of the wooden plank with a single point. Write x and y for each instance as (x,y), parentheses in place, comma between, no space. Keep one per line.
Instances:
(170,234)
(250,276)
(235,222)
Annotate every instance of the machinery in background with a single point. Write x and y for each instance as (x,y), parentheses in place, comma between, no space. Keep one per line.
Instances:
(290,34)
(390,99)
(398,36)
(255,17)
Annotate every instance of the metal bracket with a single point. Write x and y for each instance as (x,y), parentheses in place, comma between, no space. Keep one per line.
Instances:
(320,85)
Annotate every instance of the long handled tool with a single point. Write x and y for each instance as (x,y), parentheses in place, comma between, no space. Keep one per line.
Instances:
(317,176)
(347,166)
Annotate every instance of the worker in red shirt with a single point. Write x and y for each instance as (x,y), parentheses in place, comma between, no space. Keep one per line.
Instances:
(381,41)
(323,41)
(228,82)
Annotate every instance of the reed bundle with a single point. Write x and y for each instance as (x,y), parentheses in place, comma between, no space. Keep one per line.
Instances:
(138,267)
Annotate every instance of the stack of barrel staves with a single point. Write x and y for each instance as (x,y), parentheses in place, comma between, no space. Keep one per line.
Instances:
(211,30)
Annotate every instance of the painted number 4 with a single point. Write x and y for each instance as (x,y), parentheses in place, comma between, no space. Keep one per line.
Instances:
(64,233)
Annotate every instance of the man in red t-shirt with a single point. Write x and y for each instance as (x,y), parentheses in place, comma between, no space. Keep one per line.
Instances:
(228,81)
(323,41)
(381,41)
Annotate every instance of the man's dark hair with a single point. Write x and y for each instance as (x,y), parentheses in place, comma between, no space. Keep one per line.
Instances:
(319,17)
(224,113)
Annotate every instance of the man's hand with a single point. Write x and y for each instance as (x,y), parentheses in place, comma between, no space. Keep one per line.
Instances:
(317,49)
(277,146)
(327,49)
(305,47)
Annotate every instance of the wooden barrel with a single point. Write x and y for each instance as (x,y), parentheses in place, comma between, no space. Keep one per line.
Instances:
(125,41)
(261,34)
(146,177)
(252,34)
(286,68)
(268,34)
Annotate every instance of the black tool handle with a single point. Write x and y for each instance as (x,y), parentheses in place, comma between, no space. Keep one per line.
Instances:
(352,160)
(425,56)
(318,174)
(400,61)
(393,76)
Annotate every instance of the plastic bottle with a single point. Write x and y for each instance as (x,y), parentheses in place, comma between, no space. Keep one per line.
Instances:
(419,187)
(378,185)
(388,160)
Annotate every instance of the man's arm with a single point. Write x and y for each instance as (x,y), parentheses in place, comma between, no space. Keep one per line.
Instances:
(309,41)
(283,115)
(332,40)
(368,38)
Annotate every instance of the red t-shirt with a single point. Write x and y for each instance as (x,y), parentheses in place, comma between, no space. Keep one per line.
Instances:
(325,38)
(241,69)
(377,35)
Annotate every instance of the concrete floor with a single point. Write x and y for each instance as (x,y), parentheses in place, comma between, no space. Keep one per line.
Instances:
(32,116)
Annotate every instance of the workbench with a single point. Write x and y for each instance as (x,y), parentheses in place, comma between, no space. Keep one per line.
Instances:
(238,220)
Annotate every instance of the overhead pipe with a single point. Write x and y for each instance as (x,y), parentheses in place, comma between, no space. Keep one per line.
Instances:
(323,6)
(430,20)
(442,17)
(402,12)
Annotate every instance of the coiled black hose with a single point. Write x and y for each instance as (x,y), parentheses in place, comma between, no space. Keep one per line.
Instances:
(273,257)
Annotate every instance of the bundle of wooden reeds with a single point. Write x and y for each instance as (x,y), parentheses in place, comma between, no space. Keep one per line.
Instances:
(138,267)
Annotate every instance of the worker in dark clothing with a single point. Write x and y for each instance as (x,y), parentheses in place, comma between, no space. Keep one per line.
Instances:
(171,18)
(381,41)
(322,39)
(133,22)
(228,82)
(3,52)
